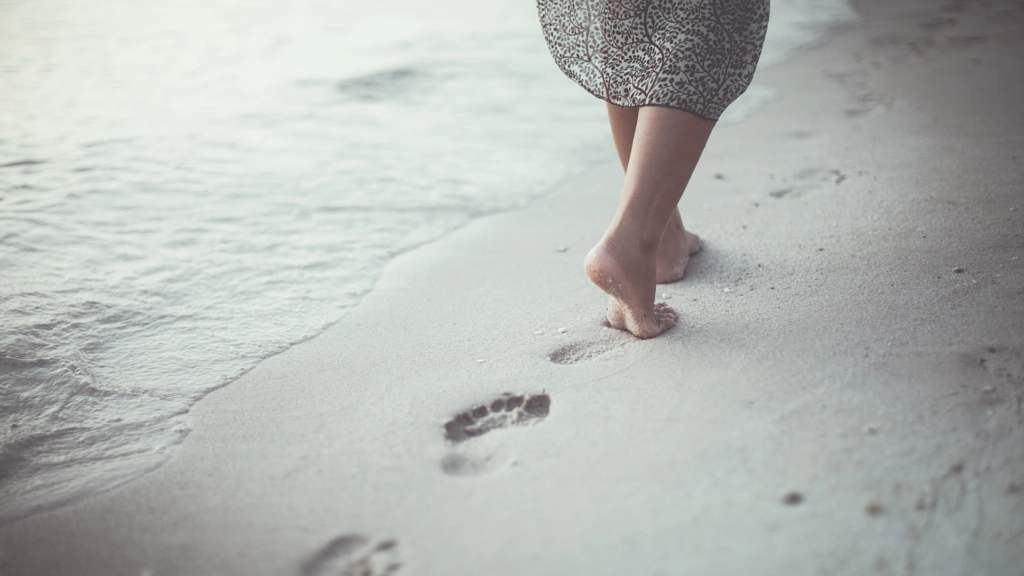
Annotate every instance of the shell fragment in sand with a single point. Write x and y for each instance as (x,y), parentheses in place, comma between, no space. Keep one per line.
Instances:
(726,289)
(539,333)
(563,330)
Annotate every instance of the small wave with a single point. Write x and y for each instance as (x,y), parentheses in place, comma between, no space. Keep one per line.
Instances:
(796,25)
(386,84)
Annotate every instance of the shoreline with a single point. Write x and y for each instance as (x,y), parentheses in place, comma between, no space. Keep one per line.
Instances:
(819,353)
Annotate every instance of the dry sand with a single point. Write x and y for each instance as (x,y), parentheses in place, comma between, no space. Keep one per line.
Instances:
(842,395)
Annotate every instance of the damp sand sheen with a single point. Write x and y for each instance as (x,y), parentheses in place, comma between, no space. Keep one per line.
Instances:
(827,403)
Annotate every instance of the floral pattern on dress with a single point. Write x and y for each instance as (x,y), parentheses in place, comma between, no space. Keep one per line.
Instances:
(694,55)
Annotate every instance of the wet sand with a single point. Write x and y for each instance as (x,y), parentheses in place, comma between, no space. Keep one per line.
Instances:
(842,394)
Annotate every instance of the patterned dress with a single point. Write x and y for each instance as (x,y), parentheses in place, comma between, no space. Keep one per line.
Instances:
(694,55)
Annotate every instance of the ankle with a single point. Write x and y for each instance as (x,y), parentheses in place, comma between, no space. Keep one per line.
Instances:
(674,227)
(643,246)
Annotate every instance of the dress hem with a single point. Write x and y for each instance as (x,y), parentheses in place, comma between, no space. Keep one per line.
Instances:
(681,108)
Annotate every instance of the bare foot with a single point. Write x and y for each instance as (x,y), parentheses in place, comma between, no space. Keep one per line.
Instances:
(674,252)
(628,276)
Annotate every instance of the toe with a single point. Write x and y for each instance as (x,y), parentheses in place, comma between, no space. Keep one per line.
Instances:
(665,322)
(662,307)
(694,243)
(665,316)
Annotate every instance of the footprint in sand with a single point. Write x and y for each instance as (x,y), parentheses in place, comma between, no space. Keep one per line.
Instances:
(471,454)
(1005,368)
(861,88)
(807,181)
(1002,363)
(353,555)
(576,352)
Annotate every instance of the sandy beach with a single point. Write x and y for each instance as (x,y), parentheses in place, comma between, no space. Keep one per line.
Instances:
(842,395)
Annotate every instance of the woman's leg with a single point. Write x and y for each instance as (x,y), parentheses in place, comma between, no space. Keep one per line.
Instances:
(677,244)
(623,122)
(666,146)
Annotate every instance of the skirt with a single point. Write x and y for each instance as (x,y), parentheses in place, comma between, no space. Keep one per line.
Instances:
(693,55)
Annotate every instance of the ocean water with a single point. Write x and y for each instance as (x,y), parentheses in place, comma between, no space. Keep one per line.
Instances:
(189,187)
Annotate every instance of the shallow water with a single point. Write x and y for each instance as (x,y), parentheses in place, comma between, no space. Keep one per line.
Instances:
(187,188)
